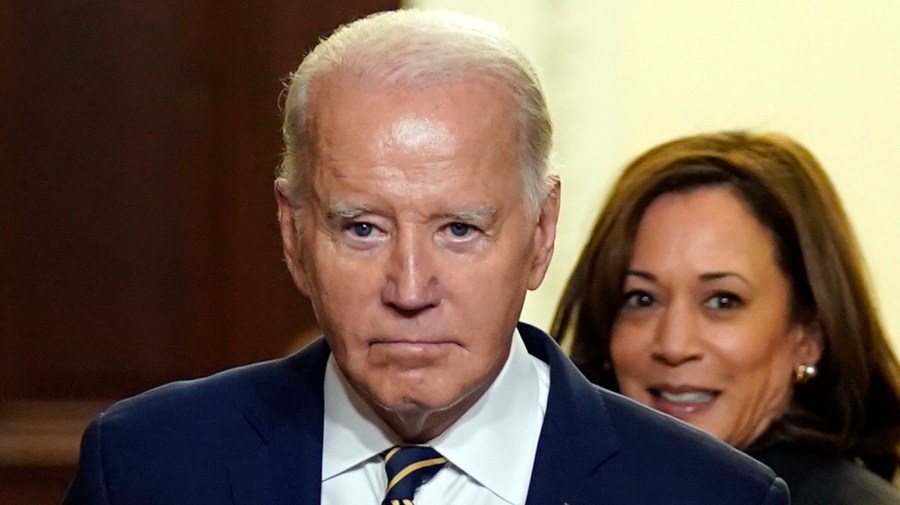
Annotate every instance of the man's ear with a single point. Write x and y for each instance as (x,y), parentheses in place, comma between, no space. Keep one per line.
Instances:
(291,239)
(545,234)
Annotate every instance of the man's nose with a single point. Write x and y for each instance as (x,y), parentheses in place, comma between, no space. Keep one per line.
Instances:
(677,338)
(411,281)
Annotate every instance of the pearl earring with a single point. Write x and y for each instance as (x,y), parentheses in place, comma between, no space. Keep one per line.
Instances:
(804,373)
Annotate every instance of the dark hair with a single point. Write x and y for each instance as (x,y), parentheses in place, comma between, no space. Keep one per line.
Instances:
(852,407)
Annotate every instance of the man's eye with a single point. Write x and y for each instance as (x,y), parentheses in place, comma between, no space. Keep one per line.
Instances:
(362,229)
(459,229)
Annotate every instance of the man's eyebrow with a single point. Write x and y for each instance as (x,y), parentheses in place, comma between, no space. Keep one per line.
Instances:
(479,213)
(346,211)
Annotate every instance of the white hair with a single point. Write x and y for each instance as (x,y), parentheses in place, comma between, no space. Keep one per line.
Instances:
(413,48)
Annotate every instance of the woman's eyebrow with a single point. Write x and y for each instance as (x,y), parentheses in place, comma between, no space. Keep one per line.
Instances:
(642,274)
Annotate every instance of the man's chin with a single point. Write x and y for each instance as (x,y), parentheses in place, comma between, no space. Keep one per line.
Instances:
(417,420)
(414,406)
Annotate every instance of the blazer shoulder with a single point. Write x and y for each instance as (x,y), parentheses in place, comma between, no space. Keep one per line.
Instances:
(186,438)
(270,382)
(243,405)
(194,395)
(815,477)
(845,483)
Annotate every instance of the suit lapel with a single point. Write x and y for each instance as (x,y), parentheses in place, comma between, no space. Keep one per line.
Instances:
(287,416)
(577,435)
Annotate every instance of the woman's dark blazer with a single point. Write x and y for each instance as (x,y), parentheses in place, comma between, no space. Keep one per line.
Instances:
(818,478)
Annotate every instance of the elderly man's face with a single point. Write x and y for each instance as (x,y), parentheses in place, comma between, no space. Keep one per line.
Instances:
(417,245)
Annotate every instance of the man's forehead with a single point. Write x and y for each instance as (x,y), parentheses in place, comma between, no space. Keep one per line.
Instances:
(345,94)
(415,131)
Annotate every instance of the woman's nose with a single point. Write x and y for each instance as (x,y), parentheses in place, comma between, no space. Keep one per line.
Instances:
(677,339)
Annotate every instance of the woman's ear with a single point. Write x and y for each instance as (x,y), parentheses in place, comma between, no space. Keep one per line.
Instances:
(811,343)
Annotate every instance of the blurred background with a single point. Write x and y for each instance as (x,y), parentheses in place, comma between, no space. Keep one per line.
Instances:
(139,140)
(624,75)
(138,242)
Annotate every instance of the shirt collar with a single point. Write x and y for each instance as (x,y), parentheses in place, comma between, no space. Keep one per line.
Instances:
(353,432)
(494,442)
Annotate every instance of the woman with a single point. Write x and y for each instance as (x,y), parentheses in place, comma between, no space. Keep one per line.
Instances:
(722,285)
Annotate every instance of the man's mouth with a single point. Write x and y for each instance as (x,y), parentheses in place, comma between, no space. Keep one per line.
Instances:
(410,341)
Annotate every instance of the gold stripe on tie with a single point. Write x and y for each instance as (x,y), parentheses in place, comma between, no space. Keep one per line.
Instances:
(390,454)
(408,502)
(412,468)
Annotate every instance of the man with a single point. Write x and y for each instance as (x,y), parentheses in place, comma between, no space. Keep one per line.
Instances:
(415,212)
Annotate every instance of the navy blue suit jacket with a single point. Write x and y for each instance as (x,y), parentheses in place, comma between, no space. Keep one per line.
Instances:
(253,436)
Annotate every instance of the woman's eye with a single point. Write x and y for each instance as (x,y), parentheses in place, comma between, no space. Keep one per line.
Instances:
(362,229)
(459,229)
(724,301)
(639,299)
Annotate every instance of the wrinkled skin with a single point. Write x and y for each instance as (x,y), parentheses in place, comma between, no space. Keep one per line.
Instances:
(417,245)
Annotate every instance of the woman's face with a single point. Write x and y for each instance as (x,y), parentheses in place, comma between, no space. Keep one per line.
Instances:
(705,332)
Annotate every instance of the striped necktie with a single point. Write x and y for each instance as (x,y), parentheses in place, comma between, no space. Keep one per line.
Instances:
(408,467)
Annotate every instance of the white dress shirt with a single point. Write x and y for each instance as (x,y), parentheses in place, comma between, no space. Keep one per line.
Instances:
(490,448)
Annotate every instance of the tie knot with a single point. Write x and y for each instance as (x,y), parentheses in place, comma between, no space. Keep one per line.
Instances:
(408,467)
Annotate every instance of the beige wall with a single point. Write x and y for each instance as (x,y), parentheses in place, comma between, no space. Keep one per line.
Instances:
(624,75)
